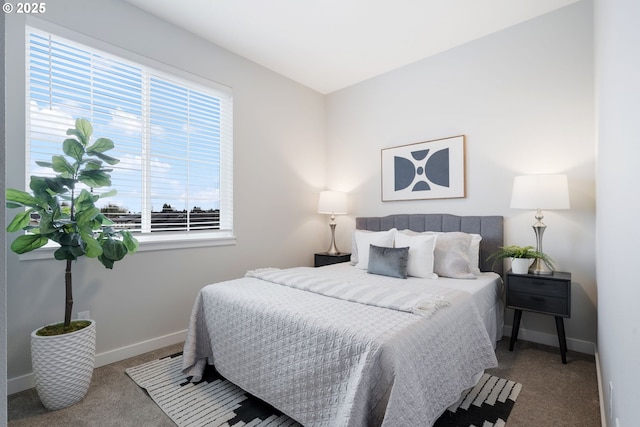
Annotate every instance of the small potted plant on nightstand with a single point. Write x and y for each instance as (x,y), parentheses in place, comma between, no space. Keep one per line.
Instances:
(61,208)
(521,257)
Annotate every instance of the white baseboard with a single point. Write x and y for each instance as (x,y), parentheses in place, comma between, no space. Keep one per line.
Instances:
(603,417)
(573,344)
(25,382)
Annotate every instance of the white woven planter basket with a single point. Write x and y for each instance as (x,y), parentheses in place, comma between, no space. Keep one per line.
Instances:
(63,366)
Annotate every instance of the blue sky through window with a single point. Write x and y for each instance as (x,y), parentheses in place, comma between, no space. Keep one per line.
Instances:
(162,128)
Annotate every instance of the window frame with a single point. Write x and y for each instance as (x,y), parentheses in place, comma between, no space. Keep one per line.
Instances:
(167,239)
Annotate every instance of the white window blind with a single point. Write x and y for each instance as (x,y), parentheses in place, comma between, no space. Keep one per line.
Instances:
(173,136)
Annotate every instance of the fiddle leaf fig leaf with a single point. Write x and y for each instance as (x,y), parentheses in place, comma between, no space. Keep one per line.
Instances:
(21,197)
(109,193)
(61,165)
(28,242)
(73,148)
(130,242)
(85,217)
(110,160)
(93,164)
(107,262)
(44,164)
(114,249)
(92,246)
(100,146)
(103,220)
(95,178)
(85,130)
(65,252)
(56,185)
(20,221)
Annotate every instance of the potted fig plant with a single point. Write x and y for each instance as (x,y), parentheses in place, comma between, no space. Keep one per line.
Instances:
(521,257)
(62,208)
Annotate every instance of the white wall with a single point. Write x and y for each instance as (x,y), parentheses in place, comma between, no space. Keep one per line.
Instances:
(279,168)
(524,99)
(618,105)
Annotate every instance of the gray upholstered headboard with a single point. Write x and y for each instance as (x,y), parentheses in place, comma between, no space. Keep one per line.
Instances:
(489,227)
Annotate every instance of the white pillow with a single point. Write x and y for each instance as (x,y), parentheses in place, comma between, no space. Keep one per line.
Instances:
(421,253)
(451,256)
(365,238)
(473,251)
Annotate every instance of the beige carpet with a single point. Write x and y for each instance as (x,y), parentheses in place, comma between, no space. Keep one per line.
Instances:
(553,394)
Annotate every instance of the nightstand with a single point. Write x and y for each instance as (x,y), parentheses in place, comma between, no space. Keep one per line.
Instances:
(324,258)
(546,294)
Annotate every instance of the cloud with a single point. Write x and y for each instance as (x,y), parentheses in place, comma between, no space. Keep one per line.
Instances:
(49,123)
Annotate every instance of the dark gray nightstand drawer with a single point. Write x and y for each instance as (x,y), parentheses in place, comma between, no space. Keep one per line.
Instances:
(539,286)
(322,259)
(542,303)
(546,294)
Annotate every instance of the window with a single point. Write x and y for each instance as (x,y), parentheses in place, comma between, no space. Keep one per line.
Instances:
(173,136)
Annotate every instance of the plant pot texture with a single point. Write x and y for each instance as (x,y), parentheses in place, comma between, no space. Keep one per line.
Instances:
(63,366)
(520,265)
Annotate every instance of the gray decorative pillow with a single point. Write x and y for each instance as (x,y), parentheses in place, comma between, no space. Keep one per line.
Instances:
(451,257)
(390,262)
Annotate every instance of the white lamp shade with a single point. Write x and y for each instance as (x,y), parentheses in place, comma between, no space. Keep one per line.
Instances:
(540,192)
(332,202)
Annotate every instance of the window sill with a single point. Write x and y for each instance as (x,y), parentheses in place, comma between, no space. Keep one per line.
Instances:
(153,243)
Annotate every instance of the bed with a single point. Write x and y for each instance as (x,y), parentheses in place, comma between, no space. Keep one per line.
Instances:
(342,346)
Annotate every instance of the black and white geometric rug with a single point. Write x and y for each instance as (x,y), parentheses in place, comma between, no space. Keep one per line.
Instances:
(215,402)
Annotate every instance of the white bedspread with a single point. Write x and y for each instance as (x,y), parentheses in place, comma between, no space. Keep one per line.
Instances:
(361,291)
(329,362)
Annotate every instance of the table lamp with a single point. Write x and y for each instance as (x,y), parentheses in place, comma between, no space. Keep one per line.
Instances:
(540,192)
(332,203)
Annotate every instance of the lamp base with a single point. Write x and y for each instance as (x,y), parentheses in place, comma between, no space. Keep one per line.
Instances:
(540,267)
(333,249)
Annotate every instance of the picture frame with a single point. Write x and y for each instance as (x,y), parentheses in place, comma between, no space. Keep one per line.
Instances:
(424,170)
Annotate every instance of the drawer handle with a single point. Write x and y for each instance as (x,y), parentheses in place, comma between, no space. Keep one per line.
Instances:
(539,299)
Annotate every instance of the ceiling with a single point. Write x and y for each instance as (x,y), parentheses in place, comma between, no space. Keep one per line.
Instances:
(331,44)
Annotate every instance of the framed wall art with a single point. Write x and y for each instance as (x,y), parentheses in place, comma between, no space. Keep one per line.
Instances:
(424,170)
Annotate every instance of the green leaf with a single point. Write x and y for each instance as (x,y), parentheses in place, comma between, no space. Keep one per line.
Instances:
(85,200)
(95,178)
(92,246)
(85,217)
(57,185)
(28,243)
(84,126)
(44,164)
(103,220)
(47,224)
(20,221)
(75,132)
(109,193)
(61,164)
(100,146)
(110,160)
(93,164)
(106,262)
(12,205)
(114,249)
(73,148)
(67,252)
(21,197)
(39,186)
(130,241)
